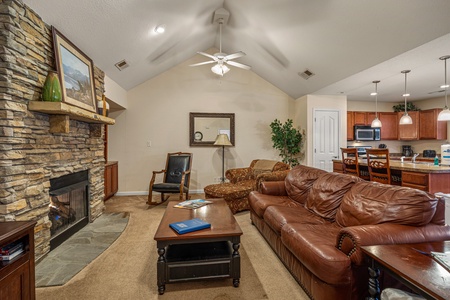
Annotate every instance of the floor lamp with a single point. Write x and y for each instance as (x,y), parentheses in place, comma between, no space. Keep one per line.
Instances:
(222,140)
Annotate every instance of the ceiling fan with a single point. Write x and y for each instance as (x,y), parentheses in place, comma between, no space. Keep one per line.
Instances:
(221,59)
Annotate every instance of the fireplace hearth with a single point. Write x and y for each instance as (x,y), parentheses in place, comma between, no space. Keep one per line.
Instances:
(69,205)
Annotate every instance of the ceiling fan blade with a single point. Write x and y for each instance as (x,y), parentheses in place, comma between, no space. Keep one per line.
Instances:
(239,65)
(202,63)
(235,55)
(208,55)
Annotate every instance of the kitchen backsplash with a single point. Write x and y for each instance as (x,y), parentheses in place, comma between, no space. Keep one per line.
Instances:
(396,146)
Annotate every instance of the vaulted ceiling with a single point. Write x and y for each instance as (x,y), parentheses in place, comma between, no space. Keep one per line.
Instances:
(346,43)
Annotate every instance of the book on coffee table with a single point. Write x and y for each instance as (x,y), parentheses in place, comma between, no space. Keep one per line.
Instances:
(443,258)
(189,225)
(191,204)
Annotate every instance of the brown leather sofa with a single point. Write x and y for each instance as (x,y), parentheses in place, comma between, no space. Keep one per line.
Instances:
(317,222)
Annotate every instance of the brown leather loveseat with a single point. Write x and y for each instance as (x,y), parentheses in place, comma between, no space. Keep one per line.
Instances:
(317,221)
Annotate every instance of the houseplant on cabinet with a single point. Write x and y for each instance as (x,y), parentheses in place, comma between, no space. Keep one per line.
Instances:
(288,140)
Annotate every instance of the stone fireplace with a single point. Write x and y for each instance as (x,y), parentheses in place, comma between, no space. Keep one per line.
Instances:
(31,156)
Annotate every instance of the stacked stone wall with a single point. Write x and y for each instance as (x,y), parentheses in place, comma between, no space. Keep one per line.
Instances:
(29,154)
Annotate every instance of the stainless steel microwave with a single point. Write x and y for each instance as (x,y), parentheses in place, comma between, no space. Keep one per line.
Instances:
(367,133)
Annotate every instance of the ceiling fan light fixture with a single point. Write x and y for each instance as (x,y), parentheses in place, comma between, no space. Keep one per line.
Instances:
(220,69)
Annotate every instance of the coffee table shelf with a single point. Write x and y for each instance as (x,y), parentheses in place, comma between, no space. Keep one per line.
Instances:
(204,254)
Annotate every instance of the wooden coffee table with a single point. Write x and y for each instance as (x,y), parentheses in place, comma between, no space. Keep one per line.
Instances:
(204,254)
(419,272)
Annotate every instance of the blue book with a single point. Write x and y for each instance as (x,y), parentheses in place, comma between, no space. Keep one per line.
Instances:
(189,225)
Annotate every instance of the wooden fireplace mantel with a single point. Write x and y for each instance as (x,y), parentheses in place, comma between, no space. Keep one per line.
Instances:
(61,113)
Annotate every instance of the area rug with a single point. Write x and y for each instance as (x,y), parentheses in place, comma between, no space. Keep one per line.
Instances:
(127,270)
(69,258)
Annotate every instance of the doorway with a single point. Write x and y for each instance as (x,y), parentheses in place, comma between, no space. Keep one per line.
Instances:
(326,138)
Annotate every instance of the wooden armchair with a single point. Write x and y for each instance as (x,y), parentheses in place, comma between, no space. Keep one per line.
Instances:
(176,179)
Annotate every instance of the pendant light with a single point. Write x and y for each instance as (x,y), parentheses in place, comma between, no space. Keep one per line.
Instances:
(444,115)
(405,119)
(376,123)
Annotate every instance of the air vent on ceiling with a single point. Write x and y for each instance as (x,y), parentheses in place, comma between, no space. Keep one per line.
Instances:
(122,65)
(306,74)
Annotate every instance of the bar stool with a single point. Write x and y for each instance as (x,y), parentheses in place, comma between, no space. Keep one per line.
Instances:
(350,163)
(378,164)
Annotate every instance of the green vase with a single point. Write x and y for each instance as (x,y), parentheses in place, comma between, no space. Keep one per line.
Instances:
(52,88)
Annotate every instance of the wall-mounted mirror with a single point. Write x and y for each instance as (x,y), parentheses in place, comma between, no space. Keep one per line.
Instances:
(204,128)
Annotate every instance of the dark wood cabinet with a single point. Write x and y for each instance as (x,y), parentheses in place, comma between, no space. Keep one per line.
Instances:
(17,276)
(389,126)
(359,118)
(409,132)
(338,167)
(429,127)
(111,179)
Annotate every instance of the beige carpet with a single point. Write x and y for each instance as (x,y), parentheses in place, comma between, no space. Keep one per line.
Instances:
(127,269)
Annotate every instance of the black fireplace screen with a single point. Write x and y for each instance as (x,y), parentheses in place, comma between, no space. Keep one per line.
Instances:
(69,199)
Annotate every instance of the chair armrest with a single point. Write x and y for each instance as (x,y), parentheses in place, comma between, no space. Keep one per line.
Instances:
(271,176)
(238,174)
(273,188)
(152,181)
(350,239)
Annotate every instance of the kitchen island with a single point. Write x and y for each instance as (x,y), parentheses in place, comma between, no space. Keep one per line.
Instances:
(422,175)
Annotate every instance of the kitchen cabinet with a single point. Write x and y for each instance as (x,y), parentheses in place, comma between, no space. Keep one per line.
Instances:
(409,132)
(359,118)
(338,167)
(350,124)
(111,179)
(389,128)
(429,127)
(415,180)
(429,182)
(17,276)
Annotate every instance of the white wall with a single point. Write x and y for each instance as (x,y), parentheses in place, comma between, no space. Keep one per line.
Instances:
(115,92)
(158,112)
(304,117)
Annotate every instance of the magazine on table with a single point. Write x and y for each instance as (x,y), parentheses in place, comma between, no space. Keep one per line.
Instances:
(443,258)
(191,204)
(189,225)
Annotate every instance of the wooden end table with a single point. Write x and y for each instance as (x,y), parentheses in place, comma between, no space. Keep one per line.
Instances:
(204,254)
(419,272)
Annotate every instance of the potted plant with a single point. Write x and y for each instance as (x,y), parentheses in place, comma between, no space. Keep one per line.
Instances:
(288,140)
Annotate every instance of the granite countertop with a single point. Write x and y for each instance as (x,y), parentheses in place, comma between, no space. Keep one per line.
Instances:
(420,166)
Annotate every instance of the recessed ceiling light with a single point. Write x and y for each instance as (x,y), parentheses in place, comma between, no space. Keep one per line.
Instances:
(160,29)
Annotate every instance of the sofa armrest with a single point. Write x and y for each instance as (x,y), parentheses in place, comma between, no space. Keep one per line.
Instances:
(271,176)
(350,239)
(273,188)
(238,174)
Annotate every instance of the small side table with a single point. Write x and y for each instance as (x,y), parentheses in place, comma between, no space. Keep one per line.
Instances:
(417,271)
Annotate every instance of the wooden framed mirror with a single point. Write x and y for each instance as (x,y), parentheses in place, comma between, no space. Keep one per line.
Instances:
(204,128)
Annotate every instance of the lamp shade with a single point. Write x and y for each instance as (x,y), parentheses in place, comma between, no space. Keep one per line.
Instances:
(222,140)
(444,115)
(376,123)
(405,119)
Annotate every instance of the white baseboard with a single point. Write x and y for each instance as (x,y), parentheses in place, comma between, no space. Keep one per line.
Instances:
(145,193)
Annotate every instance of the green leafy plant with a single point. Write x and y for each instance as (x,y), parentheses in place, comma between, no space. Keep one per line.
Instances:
(401,107)
(288,140)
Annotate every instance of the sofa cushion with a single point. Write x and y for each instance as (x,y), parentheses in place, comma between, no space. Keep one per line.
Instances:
(374,203)
(260,202)
(314,246)
(299,181)
(327,192)
(277,216)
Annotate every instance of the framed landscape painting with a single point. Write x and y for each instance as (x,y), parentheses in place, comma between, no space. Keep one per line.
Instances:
(75,73)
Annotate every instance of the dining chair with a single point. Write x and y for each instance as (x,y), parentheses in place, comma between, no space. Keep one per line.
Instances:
(350,164)
(378,165)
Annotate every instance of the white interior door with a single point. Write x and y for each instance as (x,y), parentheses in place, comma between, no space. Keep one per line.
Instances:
(326,138)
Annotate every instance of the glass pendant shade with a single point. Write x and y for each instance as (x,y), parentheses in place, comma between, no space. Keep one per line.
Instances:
(220,69)
(444,115)
(405,119)
(376,123)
